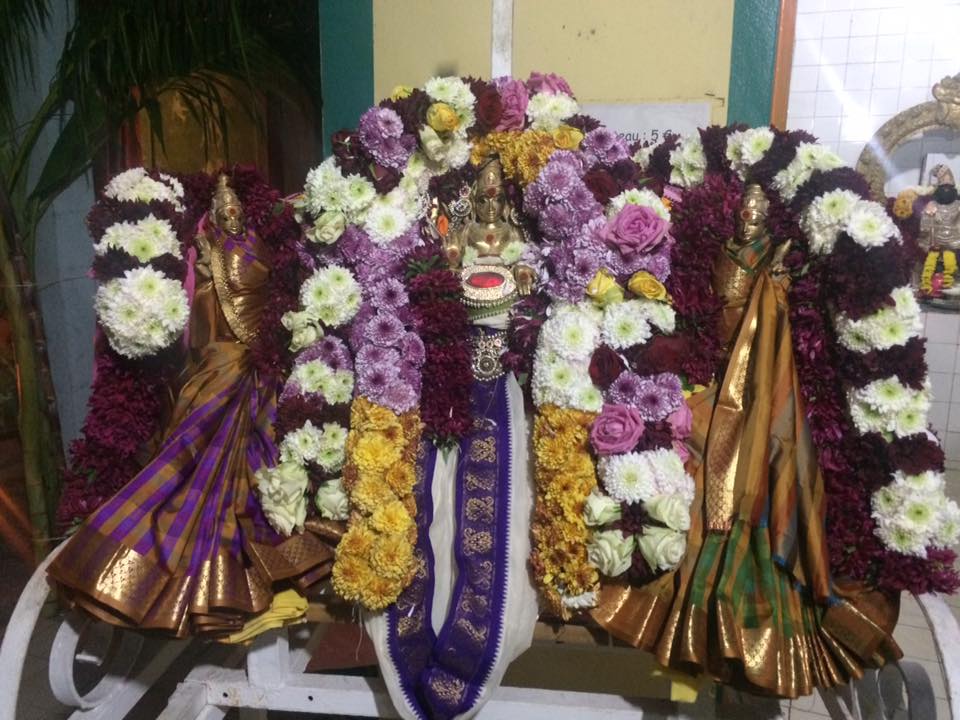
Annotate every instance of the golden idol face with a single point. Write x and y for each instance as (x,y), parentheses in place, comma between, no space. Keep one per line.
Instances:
(489,204)
(751,222)
(230,218)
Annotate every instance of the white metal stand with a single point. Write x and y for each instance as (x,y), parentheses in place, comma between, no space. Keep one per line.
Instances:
(274,678)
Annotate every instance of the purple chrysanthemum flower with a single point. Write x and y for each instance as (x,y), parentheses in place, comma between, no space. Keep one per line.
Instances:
(568,159)
(657,263)
(378,127)
(409,372)
(384,329)
(373,381)
(534,199)
(573,268)
(334,353)
(371,356)
(604,146)
(625,390)
(399,397)
(291,389)
(658,396)
(394,152)
(390,294)
(557,222)
(557,180)
(412,349)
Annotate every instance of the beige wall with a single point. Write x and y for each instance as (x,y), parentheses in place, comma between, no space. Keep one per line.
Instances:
(414,40)
(609,50)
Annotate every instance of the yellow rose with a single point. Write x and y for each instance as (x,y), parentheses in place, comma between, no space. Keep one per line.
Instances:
(603,289)
(399,92)
(567,138)
(643,284)
(442,118)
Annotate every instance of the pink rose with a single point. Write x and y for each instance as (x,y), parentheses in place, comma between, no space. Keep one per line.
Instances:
(513,98)
(617,429)
(548,83)
(681,449)
(634,230)
(681,422)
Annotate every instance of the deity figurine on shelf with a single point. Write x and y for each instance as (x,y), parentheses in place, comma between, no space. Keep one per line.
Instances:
(486,240)
(940,239)
(753,602)
(184,547)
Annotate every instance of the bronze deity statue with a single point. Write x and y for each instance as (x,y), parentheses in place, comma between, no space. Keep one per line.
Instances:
(483,227)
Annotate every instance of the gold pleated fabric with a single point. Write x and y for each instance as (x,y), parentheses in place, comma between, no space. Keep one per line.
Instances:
(752,604)
(184,547)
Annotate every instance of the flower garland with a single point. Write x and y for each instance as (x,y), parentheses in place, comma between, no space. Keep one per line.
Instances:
(443,324)
(139,231)
(604,252)
(374,559)
(860,364)
(565,477)
(131,226)
(142,311)
(365,209)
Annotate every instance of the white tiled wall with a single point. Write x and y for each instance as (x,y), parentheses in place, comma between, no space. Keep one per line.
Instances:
(856,64)
(943,359)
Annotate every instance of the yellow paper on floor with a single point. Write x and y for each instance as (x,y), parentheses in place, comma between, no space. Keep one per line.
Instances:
(683,688)
(287,606)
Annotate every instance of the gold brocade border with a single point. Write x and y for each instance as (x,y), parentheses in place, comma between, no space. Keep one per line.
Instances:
(375,559)
(120,586)
(564,475)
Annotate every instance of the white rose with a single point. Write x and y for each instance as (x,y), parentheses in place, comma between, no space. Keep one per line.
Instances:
(282,491)
(433,146)
(328,228)
(304,337)
(581,601)
(294,321)
(662,548)
(611,552)
(600,509)
(671,510)
(332,501)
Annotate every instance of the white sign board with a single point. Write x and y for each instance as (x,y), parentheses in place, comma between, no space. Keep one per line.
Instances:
(650,121)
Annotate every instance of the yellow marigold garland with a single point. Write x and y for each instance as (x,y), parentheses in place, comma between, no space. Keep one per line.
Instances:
(930,267)
(564,475)
(374,560)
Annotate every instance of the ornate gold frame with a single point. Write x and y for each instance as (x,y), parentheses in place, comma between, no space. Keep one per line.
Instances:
(942,111)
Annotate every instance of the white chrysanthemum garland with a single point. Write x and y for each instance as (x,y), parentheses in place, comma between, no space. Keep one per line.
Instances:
(323,376)
(143,186)
(142,311)
(885,406)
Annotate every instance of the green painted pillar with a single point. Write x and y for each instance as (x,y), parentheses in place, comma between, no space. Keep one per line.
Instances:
(346,57)
(752,62)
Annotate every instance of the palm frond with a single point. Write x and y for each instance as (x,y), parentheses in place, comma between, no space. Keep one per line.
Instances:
(21,21)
